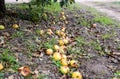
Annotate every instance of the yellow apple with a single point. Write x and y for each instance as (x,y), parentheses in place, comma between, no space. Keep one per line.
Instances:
(63,47)
(63,56)
(66,22)
(64,62)
(77,75)
(56,47)
(15,26)
(53,22)
(1,66)
(41,32)
(67,15)
(62,34)
(64,69)
(58,32)
(65,41)
(49,51)
(2,27)
(73,63)
(63,29)
(57,56)
(62,13)
(63,17)
(61,43)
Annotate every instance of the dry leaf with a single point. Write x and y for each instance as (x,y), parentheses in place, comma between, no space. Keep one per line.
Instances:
(1,66)
(36,74)
(24,70)
(1,40)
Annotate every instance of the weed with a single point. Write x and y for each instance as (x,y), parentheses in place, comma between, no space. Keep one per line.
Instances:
(42,76)
(96,45)
(54,7)
(9,59)
(79,46)
(1,74)
(57,63)
(117,74)
(50,43)
(106,36)
(80,41)
(103,20)
(31,46)
(17,34)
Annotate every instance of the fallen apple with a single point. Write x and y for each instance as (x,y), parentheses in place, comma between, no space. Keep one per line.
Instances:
(64,62)
(49,51)
(41,32)
(2,27)
(73,63)
(66,22)
(58,32)
(57,56)
(63,29)
(63,56)
(63,47)
(65,41)
(94,25)
(61,43)
(62,13)
(62,34)
(77,75)
(1,66)
(63,17)
(56,47)
(15,26)
(64,69)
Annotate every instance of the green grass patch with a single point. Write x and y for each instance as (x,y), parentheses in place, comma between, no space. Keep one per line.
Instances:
(103,20)
(117,74)
(8,59)
(50,43)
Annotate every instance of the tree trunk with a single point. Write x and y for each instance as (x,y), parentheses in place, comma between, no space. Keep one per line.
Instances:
(2,8)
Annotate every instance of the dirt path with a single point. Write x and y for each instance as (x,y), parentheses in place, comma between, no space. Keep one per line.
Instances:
(14,1)
(114,14)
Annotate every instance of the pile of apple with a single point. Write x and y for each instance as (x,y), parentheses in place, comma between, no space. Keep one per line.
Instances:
(58,53)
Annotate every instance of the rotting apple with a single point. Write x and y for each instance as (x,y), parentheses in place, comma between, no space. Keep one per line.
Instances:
(73,63)
(77,75)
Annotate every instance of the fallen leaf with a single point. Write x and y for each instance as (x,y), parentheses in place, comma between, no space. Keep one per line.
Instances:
(2,40)
(36,74)
(116,53)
